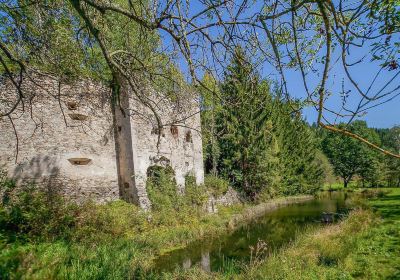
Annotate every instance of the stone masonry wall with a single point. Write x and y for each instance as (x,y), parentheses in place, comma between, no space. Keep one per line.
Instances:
(66,138)
(177,144)
(62,122)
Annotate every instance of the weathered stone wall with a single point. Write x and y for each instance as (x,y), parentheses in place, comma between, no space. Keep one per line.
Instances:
(178,143)
(65,123)
(61,122)
(231,197)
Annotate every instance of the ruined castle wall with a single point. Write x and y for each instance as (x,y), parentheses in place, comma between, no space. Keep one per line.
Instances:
(178,143)
(61,122)
(64,123)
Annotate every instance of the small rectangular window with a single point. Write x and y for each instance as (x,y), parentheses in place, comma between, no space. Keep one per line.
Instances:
(174,131)
(188,137)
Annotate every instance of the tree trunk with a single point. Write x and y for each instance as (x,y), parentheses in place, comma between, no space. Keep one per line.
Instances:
(345,182)
(123,142)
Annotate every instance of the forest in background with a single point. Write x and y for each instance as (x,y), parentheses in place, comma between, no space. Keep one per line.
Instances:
(259,141)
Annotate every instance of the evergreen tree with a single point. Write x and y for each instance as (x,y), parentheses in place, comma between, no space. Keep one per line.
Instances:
(245,127)
(300,172)
(210,108)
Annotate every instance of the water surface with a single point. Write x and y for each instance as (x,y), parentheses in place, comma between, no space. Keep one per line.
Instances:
(275,228)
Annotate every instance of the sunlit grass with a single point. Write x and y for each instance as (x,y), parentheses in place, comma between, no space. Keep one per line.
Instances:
(364,246)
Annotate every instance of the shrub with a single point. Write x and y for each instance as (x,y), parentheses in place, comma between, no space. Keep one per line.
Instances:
(28,212)
(216,185)
(162,188)
(194,195)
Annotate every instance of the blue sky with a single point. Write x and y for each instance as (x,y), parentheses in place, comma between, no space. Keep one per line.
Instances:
(383,116)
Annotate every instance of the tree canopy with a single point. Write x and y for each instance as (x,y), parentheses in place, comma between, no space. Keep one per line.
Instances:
(348,157)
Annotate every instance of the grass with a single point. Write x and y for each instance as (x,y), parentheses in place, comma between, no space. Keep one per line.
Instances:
(364,246)
(48,238)
(116,251)
(338,186)
(42,239)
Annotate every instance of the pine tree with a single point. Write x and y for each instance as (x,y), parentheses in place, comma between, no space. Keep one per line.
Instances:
(298,147)
(244,124)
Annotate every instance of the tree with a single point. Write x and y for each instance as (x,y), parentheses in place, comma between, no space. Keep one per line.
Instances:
(297,152)
(348,157)
(204,34)
(244,125)
(126,42)
(211,106)
(390,138)
(70,40)
(266,146)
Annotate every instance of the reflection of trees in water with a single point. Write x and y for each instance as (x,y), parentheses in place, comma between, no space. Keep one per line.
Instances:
(275,229)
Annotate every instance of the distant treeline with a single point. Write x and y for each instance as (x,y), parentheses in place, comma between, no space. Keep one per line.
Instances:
(353,161)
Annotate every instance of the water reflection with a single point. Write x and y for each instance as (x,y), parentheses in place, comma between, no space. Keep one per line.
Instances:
(275,228)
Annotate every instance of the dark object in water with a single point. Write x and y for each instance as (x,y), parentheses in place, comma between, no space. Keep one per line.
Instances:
(328,217)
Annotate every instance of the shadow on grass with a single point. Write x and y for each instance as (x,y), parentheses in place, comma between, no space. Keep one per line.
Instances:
(388,207)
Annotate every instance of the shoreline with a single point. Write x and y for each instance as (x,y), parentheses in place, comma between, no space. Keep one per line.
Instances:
(256,211)
(248,214)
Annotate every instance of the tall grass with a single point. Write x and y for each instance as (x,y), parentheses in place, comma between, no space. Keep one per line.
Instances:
(44,236)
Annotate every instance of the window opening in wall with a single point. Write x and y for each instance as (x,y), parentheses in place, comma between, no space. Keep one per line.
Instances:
(188,137)
(174,131)
(72,105)
(79,161)
(156,130)
(78,117)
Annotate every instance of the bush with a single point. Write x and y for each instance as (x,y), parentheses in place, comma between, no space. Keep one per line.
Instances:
(29,212)
(195,196)
(162,188)
(216,185)
(169,206)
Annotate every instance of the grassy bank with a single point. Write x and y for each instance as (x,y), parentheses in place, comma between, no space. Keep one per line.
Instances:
(45,237)
(48,238)
(366,245)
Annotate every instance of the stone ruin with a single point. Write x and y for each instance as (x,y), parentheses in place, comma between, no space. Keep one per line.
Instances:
(63,136)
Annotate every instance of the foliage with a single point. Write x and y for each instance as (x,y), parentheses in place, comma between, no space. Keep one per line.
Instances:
(216,185)
(165,196)
(390,167)
(29,213)
(349,157)
(47,237)
(161,188)
(210,108)
(297,153)
(244,126)
(263,148)
(322,161)
(195,196)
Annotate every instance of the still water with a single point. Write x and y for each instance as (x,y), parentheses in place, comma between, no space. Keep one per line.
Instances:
(275,228)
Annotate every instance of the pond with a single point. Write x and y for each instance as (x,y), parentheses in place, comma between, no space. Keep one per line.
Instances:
(274,229)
